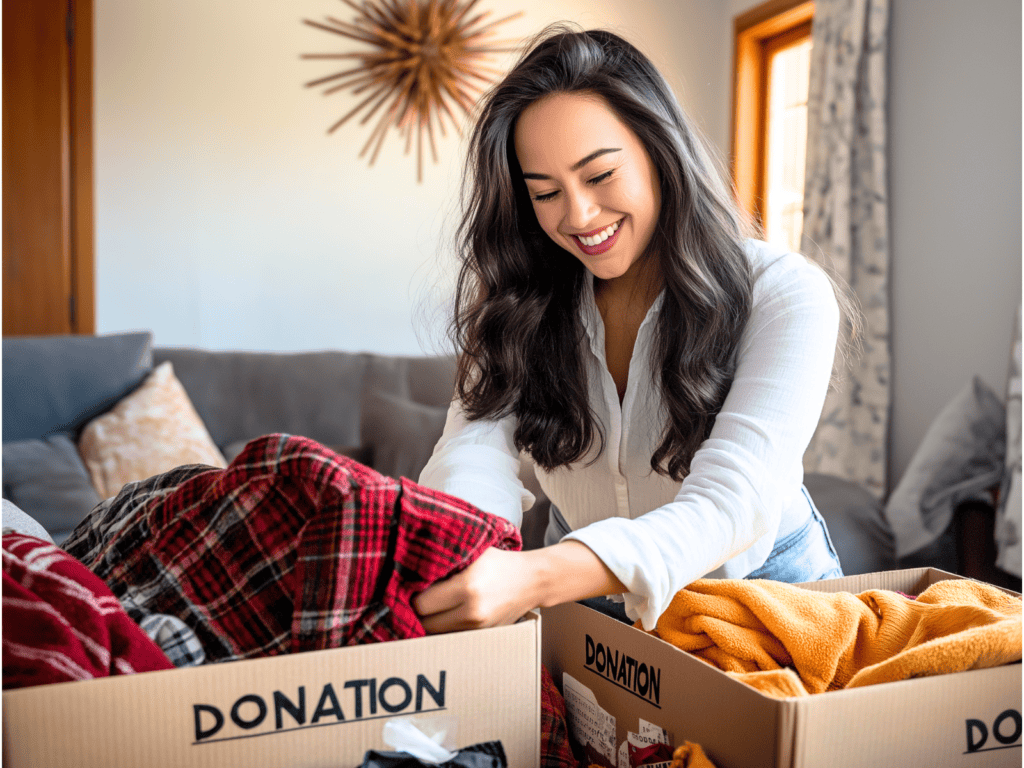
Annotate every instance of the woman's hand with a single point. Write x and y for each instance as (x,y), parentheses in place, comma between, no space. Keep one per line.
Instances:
(500,586)
(495,589)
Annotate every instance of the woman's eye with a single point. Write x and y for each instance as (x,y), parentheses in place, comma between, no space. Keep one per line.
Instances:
(602,177)
(546,196)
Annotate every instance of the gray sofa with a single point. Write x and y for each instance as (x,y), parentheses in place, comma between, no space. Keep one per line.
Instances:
(385,411)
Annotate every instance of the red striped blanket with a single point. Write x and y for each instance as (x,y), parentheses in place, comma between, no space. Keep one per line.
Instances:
(62,623)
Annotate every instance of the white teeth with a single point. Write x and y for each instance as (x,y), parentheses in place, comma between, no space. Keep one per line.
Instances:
(601,236)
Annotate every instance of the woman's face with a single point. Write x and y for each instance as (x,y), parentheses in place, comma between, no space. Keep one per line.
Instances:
(594,188)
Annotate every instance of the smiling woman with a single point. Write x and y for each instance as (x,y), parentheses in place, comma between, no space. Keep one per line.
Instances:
(609,197)
(663,372)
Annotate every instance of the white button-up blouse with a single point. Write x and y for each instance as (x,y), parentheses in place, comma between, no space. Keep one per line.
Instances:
(744,487)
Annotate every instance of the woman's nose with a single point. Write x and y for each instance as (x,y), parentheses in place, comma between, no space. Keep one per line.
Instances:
(582,209)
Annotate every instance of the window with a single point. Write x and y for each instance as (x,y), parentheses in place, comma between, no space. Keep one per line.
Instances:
(771,79)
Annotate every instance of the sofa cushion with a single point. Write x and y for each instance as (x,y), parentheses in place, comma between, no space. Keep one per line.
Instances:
(428,380)
(361,453)
(1008,532)
(244,395)
(960,458)
(54,384)
(151,431)
(401,433)
(47,480)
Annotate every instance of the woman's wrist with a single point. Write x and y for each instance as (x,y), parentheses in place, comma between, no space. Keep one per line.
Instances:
(569,571)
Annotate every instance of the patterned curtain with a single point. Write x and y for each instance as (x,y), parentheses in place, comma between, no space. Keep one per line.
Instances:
(846,215)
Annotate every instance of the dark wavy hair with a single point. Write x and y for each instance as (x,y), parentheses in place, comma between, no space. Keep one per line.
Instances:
(517,304)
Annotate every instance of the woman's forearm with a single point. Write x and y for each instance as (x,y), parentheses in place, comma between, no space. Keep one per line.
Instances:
(570,571)
(500,586)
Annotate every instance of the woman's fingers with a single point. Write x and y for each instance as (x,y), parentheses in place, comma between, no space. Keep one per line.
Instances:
(438,598)
(451,620)
(493,590)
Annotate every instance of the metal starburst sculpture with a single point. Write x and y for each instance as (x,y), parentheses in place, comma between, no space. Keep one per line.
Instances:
(425,57)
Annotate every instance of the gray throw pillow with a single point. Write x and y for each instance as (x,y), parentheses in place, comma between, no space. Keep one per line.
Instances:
(17,520)
(401,433)
(960,458)
(54,384)
(48,480)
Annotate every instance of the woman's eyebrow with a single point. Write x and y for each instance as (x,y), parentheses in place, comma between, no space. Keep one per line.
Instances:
(578,165)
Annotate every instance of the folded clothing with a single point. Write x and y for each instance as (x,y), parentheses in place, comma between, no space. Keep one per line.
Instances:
(760,630)
(690,755)
(62,623)
(489,754)
(291,548)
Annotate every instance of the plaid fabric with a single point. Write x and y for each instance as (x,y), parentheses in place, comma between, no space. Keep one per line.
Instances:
(61,623)
(291,548)
(555,747)
(175,639)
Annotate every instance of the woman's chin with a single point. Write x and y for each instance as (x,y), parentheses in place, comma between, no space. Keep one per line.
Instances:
(607,271)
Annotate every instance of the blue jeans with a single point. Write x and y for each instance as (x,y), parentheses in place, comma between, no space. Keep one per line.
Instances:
(806,554)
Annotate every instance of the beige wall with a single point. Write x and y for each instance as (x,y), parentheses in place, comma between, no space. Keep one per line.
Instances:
(226,218)
(955,185)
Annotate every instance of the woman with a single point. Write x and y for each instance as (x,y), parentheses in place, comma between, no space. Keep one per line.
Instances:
(663,373)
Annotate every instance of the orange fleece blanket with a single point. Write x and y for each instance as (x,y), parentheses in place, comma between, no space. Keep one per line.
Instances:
(788,641)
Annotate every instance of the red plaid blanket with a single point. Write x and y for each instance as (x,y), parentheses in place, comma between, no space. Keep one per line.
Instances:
(61,622)
(291,548)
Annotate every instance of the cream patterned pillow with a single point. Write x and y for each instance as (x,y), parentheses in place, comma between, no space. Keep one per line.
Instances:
(152,430)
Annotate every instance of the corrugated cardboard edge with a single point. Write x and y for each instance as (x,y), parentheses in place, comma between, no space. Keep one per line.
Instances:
(535,617)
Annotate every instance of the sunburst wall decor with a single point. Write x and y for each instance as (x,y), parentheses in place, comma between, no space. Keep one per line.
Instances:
(425,57)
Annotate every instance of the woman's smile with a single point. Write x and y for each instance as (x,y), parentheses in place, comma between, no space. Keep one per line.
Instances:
(599,240)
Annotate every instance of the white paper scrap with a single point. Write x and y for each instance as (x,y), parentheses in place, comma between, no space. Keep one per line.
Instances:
(624,755)
(589,723)
(660,735)
(640,740)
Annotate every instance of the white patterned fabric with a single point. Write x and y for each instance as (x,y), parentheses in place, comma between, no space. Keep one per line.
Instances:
(846,224)
(1008,515)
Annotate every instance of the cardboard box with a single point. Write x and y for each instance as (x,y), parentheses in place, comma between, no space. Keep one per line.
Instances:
(965,719)
(322,708)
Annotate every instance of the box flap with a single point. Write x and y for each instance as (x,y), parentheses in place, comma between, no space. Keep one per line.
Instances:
(912,581)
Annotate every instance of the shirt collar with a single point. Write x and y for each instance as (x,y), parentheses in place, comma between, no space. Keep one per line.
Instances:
(591,317)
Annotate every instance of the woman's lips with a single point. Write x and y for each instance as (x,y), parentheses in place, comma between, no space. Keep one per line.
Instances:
(594,250)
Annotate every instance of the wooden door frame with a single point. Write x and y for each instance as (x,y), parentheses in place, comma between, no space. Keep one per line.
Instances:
(756,33)
(48,229)
(83,269)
